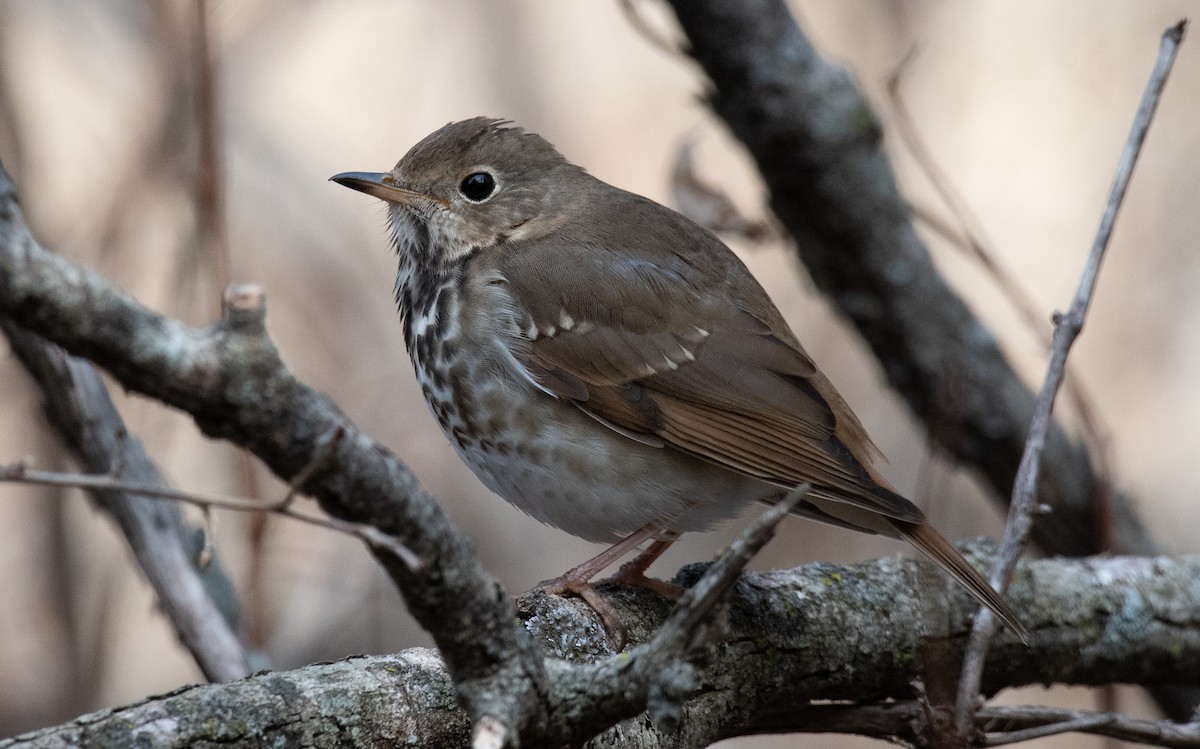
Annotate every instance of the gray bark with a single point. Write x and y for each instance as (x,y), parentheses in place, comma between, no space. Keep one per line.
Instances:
(861,633)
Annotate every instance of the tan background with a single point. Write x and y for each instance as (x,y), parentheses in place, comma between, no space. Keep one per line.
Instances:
(1026,105)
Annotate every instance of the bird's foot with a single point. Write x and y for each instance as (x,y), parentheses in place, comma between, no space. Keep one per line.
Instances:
(571,584)
(577,580)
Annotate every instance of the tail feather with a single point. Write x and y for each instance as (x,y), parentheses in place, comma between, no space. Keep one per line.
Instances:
(926,538)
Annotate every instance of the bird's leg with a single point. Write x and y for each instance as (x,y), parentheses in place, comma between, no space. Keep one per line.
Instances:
(633,572)
(578,579)
(592,567)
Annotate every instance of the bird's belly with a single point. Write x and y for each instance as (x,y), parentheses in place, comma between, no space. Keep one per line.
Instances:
(564,468)
(600,485)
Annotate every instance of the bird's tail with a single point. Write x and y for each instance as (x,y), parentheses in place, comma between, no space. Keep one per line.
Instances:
(926,538)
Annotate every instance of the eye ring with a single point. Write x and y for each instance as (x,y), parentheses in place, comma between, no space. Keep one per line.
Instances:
(477,186)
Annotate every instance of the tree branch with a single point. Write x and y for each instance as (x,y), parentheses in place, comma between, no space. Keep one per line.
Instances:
(819,632)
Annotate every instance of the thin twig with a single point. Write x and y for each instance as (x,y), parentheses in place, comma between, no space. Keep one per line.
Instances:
(1061,720)
(907,721)
(699,599)
(1082,725)
(325,454)
(20,473)
(210,178)
(971,234)
(970,237)
(707,205)
(1066,329)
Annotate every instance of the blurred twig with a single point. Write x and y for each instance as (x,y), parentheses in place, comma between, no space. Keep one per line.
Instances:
(210,176)
(649,33)
(114,482)
(707,205)
(212,245)
(1066,329)
(196,602)
(971,237)
(83,645)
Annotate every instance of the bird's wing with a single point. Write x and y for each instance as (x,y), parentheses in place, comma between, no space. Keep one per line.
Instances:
(696,358)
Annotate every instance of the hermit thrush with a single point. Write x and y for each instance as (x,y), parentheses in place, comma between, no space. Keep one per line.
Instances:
(610,367)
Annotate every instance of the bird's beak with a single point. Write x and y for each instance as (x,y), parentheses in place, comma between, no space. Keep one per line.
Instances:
(379,185)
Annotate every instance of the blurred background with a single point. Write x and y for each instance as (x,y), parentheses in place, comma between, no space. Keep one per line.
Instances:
(1024,104)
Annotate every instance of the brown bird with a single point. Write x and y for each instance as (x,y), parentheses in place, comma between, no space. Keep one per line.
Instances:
(610,367)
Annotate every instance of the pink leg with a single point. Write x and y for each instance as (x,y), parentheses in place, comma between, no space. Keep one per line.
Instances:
(633,572)
(592,567)
(577,580)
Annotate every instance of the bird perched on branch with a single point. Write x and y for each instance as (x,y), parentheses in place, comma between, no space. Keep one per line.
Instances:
(610,367)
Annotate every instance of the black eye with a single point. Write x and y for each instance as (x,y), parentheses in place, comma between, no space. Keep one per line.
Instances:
(477,187)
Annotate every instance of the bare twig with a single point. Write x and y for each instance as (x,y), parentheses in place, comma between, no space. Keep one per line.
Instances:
(697,602)
(1022,720)
(971,237)
(1083,724)
(321,460)
(707,205)
(210,177)
(659,662)
(20,473)
(1066,329)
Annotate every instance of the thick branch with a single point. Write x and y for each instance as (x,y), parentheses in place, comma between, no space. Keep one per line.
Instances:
(819,632)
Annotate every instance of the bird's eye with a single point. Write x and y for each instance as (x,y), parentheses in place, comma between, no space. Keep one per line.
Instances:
(477,186)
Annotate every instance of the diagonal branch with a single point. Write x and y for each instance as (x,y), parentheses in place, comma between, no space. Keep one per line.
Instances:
(817,146)
(199,603)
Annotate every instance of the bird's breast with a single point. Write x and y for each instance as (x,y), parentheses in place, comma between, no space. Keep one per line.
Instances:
(458,353)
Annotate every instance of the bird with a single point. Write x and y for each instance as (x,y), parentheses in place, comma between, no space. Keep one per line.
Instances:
(611,368)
